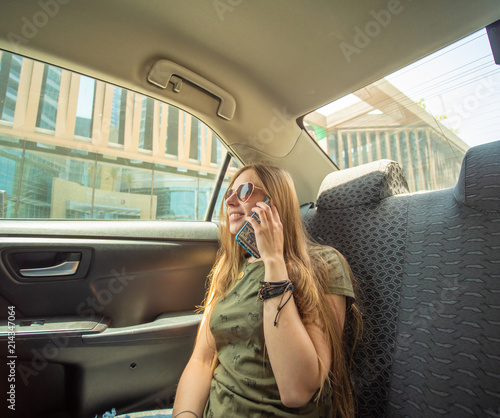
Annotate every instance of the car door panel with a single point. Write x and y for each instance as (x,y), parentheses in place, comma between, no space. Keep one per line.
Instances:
(117,335)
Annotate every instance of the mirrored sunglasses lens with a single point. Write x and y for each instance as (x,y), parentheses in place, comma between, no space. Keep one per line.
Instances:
(245,191)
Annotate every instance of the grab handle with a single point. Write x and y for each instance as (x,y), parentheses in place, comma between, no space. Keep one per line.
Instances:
(165,71)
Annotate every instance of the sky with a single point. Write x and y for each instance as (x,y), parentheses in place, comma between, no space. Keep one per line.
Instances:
(461,82)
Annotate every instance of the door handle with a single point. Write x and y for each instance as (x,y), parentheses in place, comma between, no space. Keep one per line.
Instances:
(67,268)
(49,263)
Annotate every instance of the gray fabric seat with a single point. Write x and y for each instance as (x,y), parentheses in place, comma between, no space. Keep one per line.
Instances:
(358,214)
(428,266)
(447,354)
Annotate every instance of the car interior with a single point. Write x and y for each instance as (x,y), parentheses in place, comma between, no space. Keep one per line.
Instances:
(109,227)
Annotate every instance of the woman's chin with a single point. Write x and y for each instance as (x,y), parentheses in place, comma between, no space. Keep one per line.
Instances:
(235,227)
(234,230)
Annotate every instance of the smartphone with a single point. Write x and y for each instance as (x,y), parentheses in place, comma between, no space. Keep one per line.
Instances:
(246,235)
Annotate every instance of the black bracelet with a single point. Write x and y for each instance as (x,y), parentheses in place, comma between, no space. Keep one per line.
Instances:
(270,290)
(290,287)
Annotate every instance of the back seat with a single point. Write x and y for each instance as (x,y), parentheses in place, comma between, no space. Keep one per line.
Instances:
(428,269)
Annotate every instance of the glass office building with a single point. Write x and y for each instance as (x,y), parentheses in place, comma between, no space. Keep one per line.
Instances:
(108,152)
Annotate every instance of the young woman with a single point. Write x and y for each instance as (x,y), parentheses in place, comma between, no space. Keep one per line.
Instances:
(271,341)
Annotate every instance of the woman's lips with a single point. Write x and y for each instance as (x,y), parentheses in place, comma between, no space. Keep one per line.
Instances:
(235,216)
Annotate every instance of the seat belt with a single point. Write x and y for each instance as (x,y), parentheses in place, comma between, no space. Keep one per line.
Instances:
(305,207)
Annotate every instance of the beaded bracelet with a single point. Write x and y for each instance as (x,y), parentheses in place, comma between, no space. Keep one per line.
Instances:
(272,289)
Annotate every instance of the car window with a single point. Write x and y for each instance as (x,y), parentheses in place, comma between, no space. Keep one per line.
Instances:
(424,116)
(72,147)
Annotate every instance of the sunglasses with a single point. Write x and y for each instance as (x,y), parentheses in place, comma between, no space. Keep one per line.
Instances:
(243,192)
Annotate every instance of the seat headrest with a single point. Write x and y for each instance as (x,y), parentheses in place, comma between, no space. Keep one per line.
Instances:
(478,185)
(365,184)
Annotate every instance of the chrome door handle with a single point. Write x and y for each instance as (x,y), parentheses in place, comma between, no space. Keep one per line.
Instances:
(67,268)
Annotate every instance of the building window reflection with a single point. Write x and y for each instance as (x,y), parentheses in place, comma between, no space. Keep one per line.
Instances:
(49,96)
(146,130)
(93,166)
(118,112)
(10,72)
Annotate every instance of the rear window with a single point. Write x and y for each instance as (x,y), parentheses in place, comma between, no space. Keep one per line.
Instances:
(424,116)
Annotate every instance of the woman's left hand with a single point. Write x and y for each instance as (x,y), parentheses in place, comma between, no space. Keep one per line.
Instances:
(269,233)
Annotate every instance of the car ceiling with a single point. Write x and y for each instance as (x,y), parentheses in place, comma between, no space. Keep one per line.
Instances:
(278,58)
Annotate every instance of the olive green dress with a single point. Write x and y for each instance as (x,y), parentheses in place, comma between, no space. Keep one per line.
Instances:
(243,384)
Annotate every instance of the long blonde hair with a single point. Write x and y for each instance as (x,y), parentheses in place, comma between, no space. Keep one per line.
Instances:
(306,269)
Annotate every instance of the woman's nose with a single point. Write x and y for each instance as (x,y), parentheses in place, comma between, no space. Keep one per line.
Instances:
(231,200)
